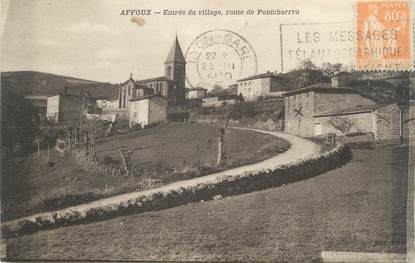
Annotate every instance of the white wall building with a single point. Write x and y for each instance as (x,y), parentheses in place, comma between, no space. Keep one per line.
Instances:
(148,110)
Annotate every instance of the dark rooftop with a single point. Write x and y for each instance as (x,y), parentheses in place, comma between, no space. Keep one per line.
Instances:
(321,88)
(354,110)
(147,97)
(259,76)
(153,79)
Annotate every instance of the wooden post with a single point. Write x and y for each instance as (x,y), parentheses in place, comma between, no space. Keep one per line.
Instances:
(123,161)
(220,146)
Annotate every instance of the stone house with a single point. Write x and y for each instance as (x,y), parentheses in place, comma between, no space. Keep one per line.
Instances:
(302,105)
(254,87)
(68,108)
(148,110)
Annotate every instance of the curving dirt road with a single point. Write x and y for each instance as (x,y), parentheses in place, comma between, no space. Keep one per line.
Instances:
(300,149)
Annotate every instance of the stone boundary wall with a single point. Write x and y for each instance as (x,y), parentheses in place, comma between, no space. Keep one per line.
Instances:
(158,199)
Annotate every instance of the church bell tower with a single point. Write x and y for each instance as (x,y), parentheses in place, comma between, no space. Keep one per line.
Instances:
(175,69)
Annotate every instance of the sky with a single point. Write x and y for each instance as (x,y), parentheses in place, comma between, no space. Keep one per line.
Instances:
(90,39)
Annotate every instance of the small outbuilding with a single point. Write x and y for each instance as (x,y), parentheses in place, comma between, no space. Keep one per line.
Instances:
(68,108)
(148,110)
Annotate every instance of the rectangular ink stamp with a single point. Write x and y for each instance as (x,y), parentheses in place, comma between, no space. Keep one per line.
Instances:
(383,35)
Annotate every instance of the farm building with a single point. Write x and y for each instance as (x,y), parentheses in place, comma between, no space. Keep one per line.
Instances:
(67,108)
(254,87)
(148,110)
(321,109)
(303,104)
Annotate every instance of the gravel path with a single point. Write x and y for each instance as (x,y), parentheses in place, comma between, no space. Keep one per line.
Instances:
(300,149)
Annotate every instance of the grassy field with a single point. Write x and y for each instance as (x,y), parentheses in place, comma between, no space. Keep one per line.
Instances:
(174,152)
(359,207)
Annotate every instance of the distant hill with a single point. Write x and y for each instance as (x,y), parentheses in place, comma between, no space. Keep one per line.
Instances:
(42,84)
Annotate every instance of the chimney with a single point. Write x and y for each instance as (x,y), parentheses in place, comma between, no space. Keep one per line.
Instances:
(334,82)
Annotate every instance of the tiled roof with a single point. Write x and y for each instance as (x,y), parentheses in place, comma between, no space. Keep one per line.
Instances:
(354,110)
(321,88)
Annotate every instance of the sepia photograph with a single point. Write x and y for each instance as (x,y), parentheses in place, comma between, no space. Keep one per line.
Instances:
(207,130)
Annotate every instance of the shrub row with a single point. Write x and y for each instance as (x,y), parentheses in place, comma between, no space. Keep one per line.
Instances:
(161,198)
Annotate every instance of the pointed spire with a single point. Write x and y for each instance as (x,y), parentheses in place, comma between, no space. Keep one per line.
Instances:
(175,54)
(131,75)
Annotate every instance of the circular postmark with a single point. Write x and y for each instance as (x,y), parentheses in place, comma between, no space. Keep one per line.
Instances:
(219,58)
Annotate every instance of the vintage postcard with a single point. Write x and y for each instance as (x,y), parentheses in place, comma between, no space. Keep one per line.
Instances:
(207,130)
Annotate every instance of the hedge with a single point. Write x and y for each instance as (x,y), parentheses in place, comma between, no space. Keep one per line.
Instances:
(161,198)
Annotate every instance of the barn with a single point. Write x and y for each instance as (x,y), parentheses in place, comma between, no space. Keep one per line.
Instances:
(321,109)
(302,105)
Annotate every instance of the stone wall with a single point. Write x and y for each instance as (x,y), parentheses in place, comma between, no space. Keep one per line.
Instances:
(388,123)
(299,111)
(360,122)
(335,101)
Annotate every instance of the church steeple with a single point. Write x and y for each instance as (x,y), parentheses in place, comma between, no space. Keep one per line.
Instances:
(175,69)
(175,55)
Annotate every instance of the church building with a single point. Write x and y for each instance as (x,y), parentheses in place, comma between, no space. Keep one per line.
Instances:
(170,86)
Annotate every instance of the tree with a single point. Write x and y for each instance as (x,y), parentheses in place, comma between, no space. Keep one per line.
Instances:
(342,124)
(331,70)
(18,121)
(307,64)
(236,113)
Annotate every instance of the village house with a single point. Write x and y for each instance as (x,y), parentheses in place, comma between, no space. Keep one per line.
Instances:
(170,86)
(68,108)
(196,93)
(321,109)
(302,104)
(261,85)
(147,110)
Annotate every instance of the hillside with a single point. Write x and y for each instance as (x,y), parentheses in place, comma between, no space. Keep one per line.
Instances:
(303,77)
(261,114)
(42,84)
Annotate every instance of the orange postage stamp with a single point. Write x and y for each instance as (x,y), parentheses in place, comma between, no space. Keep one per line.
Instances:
(384,35)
